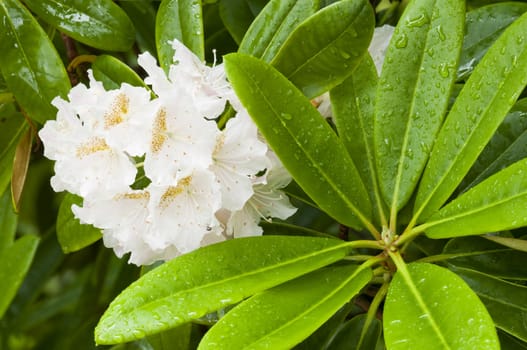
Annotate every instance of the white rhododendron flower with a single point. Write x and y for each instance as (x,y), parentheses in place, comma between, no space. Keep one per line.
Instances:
(379,44)
(157,175)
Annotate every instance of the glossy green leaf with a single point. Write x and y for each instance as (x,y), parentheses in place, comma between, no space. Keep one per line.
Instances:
(175,338)
(12,127)
(274,24)
(509,342)
(352,104)
(309,149)
(211,278)
(417,76)
(237,15)
(507,146)
(430,307)
(281,317)
(323,335)
(349,335)
(113,72)
(181,20)
(14,264)
(506,302)
(31,67)
(8,221)
(97,23)
(483,26)
(20,167)
(496,204)
(73,235)
(325,49)
(488,95)
(144,13)
(514,243)
(477,253)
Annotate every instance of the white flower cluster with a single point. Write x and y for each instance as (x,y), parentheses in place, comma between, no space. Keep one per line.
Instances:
(156,174)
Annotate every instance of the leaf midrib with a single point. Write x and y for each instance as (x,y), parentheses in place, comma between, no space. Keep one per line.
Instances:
(455,159)
(421,303)
(311,308)
(233,278)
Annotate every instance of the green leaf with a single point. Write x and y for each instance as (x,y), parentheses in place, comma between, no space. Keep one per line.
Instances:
(514,243)
(97,23)
(510,343)
(31,67)
(143,13)
(14,264)
(181,20)
(507,146)
(211,278)
(73,235)
(416,79)
(325,49)
(479,109)
(12,127)
(175,338)
(483,26)
(496,204)
(281,317)
(270,29)
(8,221)
(430,307)
(352,104)
(237,15)
(113,72)
(323,335)
(349,335)
(304,142)
(487,257)
(505,301)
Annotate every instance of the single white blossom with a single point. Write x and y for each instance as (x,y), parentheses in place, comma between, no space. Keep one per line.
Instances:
(268,201)
(238,156)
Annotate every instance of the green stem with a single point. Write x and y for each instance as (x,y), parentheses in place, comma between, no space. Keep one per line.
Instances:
(365,244)
(372,311)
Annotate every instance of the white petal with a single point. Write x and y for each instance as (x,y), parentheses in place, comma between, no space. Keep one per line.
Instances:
(379,44)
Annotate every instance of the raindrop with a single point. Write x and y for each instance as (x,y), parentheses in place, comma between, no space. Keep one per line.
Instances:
(442,36)
(344,54)
(286,116)
(417,21)
(402,41)
(443,70)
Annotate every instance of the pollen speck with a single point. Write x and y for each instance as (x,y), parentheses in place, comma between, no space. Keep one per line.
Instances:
(159,131)
(94,145)
(118,109)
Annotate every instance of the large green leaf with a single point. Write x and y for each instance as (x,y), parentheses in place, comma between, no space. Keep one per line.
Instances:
(479,109)
(113,72)
(237,15)
(281,317)
(496,204)
(325,49)
(208,279)
(352,103)
(97,23)
(181,20)
(430,307)
(8,221)
(416,78)
(305,143)
(31,67)
(507,145)
(143,12)
(12,127)
(483,26)
(73,235)
(348,337)
(477,253)
(505,301)
(14,264)
(273,25)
